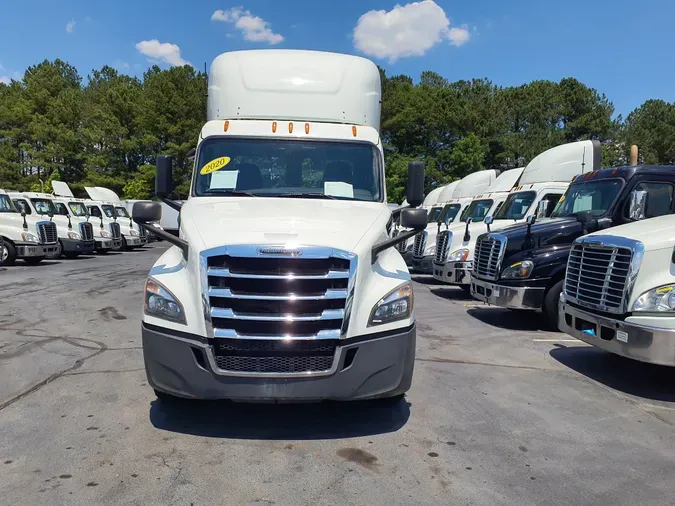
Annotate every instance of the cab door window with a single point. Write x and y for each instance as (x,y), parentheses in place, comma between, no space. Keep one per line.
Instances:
(95,211)
(61,208)
(659,198)
(22,206)
(551,200)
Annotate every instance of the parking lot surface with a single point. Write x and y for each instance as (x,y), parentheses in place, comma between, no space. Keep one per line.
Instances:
(500,412)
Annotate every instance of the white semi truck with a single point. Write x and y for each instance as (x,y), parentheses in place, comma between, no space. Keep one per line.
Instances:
(76,234)
(25,237)
(541,185)
(284,283)
(105,205)
(462,195)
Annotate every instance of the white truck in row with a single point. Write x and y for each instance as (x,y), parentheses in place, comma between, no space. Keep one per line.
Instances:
(283,282)
(30,238)
(538,189)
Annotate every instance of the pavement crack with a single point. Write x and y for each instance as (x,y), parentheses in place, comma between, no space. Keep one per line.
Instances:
(486,364)
(107,371)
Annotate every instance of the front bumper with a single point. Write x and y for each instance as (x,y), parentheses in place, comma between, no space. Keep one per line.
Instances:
(455,273)
(133,240)
(425,265)
(408,258)
(380,367)
(117,243)
(28,250)
(647,344)
(104,244)
(77,246)
(507,296)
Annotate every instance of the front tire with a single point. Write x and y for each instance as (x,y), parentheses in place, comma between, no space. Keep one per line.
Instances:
(8,254)
(550,308)
(59,250)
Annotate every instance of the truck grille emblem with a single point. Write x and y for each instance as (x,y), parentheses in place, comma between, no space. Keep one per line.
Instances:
(287,252)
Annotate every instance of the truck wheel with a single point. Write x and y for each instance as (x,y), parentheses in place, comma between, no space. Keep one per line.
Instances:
(59,250)
(8,255)
(102,251)
(124,246)
(33,260)
(466,288)
(71,256)
(551,305)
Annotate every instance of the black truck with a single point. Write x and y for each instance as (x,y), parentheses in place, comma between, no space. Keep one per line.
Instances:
(523,266)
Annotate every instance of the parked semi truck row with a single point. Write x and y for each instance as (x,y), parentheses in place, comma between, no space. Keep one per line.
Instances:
(619,290)
(524,267)
(538,189)
(283,282)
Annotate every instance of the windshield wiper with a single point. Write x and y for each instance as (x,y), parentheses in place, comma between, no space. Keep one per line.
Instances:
(235,193)
(308,196)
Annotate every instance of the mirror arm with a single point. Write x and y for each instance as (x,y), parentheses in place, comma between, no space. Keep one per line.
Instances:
(170,238)
(177,205)
(379,248)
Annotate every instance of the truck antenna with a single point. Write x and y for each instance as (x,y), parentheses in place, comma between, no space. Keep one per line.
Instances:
(206,74)
(583,161)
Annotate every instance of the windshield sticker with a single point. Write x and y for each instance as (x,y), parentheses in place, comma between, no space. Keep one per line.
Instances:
(562,199)
(215,165)
(226,179)
(338,189)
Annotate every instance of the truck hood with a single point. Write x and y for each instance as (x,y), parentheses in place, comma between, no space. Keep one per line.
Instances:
(655,233)
(245,220)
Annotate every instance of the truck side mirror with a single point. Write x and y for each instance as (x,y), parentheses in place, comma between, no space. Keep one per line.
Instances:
(488,221)
(414,218)
(638,205)
(163,176)
(531,219)
(541,209)
(146,212)
(415,189)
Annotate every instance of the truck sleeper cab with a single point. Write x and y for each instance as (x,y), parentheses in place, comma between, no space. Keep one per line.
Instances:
(24,237)
(105,214)
(523,267)
(632,313)
(283,283)
(75,236)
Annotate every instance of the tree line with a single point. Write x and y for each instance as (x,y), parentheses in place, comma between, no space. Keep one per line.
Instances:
(107,131)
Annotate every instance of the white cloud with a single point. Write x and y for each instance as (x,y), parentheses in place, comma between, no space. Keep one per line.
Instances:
(5,79)
(254,28)
(70,27)
(406,30)
(459,36)
(162,51)
(120,65)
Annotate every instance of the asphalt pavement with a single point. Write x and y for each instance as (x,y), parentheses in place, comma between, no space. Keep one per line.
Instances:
(500,412)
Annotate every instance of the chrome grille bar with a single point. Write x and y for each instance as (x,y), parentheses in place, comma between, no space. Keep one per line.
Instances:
(489,254)
(442,244)
(228,294)
(420,244)
(328,314)
(226,273)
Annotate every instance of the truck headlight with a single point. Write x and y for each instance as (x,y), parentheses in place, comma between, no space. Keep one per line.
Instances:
(430,250)
(459,256)
(28,237)
(105,234)
(133,233)
(396,305)
(658,299)
(74,235)
(519,270)
(160,302)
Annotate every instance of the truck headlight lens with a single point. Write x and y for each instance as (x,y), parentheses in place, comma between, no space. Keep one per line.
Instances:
(519,270)
(74,235)
(28,237)
(133,233)
(459,256)
(396,305)
(105,234)
(160,302)
(658,299)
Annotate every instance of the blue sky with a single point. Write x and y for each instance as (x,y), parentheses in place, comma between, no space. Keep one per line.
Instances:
(622,50)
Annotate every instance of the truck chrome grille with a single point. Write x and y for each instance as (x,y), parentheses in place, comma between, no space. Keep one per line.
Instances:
(420,244)
(598,276)
(47,232)
(400,246)
(255,298)
(489,255)
(442,245)
(115,231)
(87,231)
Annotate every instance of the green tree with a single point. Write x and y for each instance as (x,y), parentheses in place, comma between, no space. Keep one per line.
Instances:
(652,127)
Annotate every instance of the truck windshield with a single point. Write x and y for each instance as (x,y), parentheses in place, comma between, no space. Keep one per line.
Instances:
(108,210)
(478,210)
(594,196)
(288,168)
(122,212)
(78,208)
(434,213)
(516,205)
(449,213)
(44,206)
(6,205)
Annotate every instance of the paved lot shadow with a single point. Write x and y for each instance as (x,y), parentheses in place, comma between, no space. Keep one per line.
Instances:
(507,319)
(632,377)
(45,263)
(424,279)
(452,293)
(279,421)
